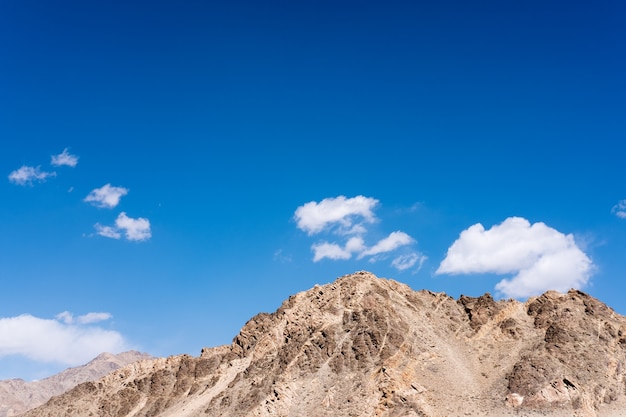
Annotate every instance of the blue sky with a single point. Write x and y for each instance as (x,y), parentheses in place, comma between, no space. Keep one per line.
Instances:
(173,168)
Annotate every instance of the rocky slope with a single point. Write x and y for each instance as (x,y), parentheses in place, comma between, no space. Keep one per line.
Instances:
(364,346)
(17,395)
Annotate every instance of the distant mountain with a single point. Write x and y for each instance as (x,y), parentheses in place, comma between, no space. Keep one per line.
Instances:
(17,396)
(364,346)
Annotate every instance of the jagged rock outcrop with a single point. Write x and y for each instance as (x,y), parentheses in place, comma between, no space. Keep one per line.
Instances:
(17,395)
(364,346)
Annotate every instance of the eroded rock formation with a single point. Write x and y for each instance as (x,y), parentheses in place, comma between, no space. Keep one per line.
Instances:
(365,346)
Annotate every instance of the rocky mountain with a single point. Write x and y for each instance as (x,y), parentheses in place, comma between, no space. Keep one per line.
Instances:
(364,346)
(17,395)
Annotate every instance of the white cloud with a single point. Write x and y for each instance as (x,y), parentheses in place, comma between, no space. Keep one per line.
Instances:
(329,250)
(340,213)
(135,229)
(356,245)
(388,244)
(58,340)
(568,268)
(404,262)
(106,196)
(334,251)
(348,218)
(540,257)
(64,158)
(620,209)
(107,231)
(93,318)
(67,318)
(26,175)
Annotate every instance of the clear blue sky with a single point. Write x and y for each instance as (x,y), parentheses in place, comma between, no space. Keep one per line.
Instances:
(173,168)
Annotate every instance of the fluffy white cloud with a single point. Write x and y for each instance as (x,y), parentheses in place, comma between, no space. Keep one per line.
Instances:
(134,229)
(334,251)
(620,209)
(329,250)
(404,262)
(344,214)
(106,196)
(388,244)
(540,257)
(64,158)
(57,340)
(26,175)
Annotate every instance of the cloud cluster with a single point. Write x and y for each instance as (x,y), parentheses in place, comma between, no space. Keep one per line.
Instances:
(539,257)
(106,196)
(620,209)
(28,175)
(65,339)
(346,219)
(133,229)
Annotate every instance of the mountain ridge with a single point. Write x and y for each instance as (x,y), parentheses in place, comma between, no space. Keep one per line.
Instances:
(368,346)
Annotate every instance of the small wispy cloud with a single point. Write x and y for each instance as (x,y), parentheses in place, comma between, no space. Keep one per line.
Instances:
(133,229)
(68,318)
(539,257)
(27,175)
(106,196)
(404,262)
(281,256)
(67,340)
(64,159)
(107,231)
(620,209)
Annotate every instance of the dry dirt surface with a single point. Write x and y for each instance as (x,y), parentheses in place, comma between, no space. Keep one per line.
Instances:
(17,395)
(366,346)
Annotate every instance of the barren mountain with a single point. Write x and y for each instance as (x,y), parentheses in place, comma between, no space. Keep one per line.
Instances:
(17,395)
(364,346)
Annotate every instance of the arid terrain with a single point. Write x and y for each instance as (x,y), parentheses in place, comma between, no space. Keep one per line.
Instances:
(366,346)
(17,395)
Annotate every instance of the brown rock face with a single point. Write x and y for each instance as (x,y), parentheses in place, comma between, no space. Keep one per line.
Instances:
(364,346)
(580,359)
(17,396)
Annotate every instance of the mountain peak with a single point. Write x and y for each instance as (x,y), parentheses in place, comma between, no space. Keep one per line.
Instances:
(367,346)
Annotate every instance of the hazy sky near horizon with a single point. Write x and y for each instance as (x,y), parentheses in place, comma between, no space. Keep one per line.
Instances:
(173,168)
